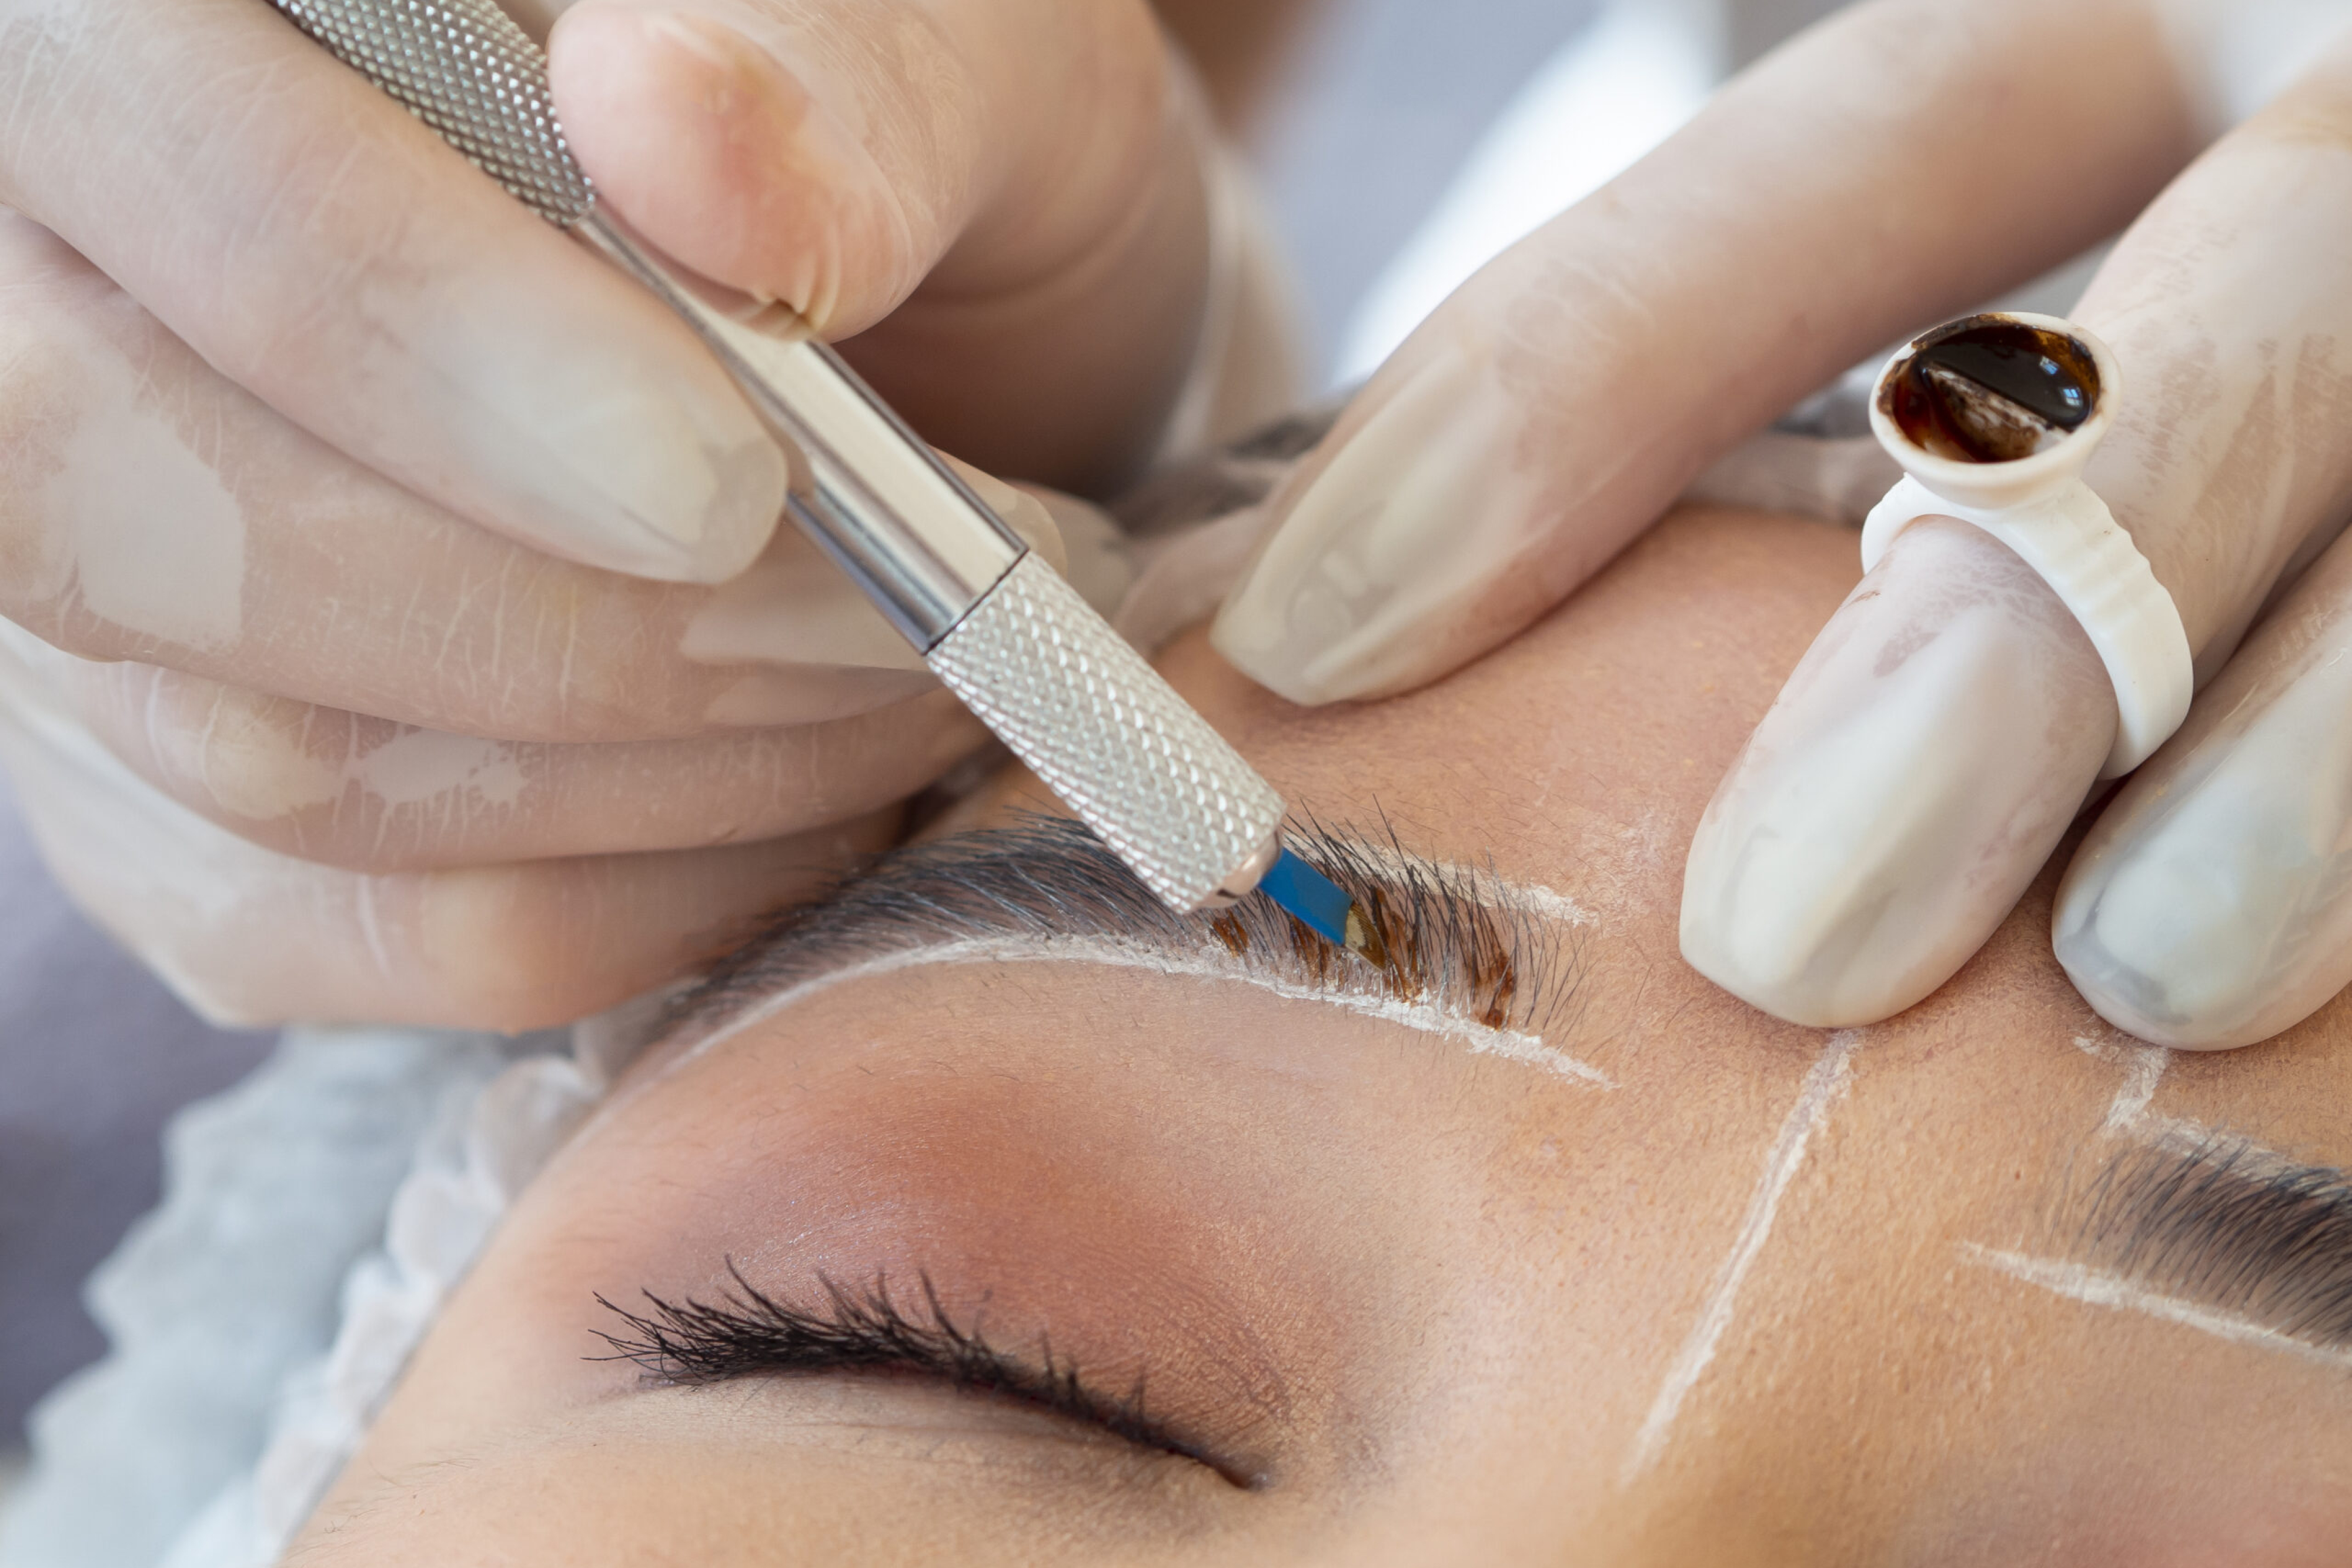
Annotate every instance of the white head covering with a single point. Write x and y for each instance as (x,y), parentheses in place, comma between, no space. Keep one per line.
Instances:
(315,1219)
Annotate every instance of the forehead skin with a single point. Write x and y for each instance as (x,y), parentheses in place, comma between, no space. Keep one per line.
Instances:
(1450,1307)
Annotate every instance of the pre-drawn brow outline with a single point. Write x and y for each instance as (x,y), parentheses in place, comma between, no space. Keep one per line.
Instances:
(1473,950)
(2195,1225)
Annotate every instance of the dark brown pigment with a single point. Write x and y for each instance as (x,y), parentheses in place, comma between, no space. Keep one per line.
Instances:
(1394,946)
(1987,389)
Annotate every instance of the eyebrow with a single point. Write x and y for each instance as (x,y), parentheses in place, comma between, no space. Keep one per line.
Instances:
(2220,1234)
(1469,954)
(2226,1224)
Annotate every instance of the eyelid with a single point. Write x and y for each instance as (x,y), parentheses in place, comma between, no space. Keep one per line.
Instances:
(747,1334)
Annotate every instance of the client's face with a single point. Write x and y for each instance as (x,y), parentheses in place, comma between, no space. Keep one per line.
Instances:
(1028,1228)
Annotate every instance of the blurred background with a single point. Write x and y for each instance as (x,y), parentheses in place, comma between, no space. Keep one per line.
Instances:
(1399,143)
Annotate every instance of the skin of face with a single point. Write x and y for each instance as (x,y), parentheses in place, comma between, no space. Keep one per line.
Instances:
(1432,1306)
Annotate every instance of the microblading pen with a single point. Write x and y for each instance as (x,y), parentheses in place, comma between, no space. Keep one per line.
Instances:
(1088,714)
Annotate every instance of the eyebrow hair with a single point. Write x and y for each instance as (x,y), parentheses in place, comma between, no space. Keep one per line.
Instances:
(2226,1223)
(1458,938)
(1239,474)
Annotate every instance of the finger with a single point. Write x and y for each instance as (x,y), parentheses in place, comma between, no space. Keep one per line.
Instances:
(326,251)
(1898,162)
(151,510)
(1935,742)
(2210,905)
(1033,166)
(1884,859)
(368,794)
(249,936)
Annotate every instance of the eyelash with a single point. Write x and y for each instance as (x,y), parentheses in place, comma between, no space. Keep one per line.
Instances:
(749,1334)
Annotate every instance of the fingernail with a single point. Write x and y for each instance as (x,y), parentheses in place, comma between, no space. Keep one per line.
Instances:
(1096,557)
(258,759)
(592,425)
(1024,513)
(742,137)
(2212,905)
(1913,775)
(1387,548)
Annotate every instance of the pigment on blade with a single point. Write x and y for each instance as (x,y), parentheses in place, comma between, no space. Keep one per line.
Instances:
(1318,903)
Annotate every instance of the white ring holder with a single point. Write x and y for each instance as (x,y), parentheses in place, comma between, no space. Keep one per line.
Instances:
(1970,451)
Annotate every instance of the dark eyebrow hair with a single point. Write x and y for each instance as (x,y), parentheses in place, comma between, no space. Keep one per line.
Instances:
(2226,1223)
(1239,474)
(1456,937)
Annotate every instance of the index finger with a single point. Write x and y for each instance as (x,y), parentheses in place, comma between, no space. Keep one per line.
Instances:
(328,252)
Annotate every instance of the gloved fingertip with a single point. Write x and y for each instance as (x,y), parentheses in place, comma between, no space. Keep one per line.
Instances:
(2202,914)
(1921,762)
(718,134)
(2147,969)
(1386,545)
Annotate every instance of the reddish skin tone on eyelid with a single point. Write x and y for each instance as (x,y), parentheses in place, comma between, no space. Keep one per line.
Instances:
(1542,1250)
(1102,1239)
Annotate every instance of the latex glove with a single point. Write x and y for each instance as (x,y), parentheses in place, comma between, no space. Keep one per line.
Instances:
(346,451)
(1936,743)
(1872,176)
(1900,163)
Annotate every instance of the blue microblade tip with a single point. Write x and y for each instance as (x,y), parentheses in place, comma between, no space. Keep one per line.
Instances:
(1308,893)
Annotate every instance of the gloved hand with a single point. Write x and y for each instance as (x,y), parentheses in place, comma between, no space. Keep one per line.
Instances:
(400,627)
(1938,740)
(1897,165)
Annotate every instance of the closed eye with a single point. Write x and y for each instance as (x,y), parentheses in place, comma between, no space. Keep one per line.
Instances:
(746,1333)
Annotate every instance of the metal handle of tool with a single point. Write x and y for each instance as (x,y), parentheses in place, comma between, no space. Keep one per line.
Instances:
(1031,658)
(875,497)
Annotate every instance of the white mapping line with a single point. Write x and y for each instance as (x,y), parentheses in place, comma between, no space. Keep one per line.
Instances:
(1542,902)
(1824,1085)
(2142,1073)
(1482,1039)
(1532,898)
(2100,1289)
(2128,1114)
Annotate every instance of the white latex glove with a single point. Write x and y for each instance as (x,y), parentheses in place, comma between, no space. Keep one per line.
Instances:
(1936,742)
(1895,166)
(333,478)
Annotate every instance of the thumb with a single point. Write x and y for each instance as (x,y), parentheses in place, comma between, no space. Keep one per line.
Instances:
(773,153)
(1033,167)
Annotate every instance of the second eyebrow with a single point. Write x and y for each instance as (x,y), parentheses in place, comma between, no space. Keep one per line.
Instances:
(2221,1235)
(2228,1224)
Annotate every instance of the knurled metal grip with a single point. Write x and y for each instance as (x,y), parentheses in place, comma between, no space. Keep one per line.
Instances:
(466,70)
(1103,731)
